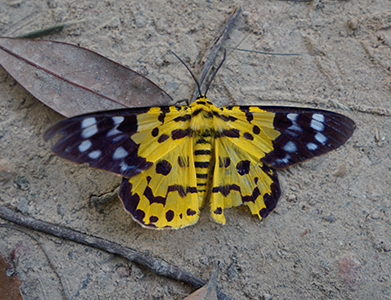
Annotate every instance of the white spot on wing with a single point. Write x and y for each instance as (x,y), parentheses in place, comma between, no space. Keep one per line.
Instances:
(318,117)
(119,153)
(312,146)
(284,160)
(118,120)
(117,139)
(293,117)
(89,131)
(113,131)
(290,147)
(85,145)
(88,122)
(295,127)
(291,133)
(124,166)
(95,154)
(317,122)
(321,138)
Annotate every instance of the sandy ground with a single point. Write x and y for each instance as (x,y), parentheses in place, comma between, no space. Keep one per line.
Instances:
(332,242)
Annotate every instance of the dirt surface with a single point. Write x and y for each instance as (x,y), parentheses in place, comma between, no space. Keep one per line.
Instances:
(330,236)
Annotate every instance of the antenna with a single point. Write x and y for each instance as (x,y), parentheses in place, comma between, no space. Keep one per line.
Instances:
(214,74)
(191,73)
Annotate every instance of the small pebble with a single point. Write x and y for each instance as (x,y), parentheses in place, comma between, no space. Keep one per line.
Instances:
(352,24)
(292,198)
(123,272)
(267,297)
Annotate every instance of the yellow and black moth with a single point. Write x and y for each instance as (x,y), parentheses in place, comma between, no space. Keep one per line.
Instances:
(173,158)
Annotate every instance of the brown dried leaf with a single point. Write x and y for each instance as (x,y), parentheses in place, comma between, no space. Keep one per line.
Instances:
(208,291)
(202,294)
(9,283)
(73,80)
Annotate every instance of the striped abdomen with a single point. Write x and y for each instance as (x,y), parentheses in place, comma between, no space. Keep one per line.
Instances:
(202,160)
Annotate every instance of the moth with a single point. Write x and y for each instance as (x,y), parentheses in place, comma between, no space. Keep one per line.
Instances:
(174,158)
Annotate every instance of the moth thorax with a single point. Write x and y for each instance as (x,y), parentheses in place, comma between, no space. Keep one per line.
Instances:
(201,120)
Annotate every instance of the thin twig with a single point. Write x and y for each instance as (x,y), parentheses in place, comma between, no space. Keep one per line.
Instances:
(157,265)
(271,53)
(214,48)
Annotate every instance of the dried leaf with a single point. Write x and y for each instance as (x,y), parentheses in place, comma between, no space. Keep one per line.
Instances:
(208,291)
(73,80)
(9,282)
(202,294)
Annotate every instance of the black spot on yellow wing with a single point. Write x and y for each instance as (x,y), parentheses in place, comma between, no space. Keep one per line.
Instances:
(163,138)
(196,112)
(256,129)
(181,190)
(163,167)
(254,196)
(191,212)
(183,118)
(248,136)
(249,115)
(164,111)
(231,133)
(224,162)
(154,199)
(243,167)
(179,133)
(224,117)
(225,189)
(155,132)
(218,211)
(170,215)
(153,219)
(183,162)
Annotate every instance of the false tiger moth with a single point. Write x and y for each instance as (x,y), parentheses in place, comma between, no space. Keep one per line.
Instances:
(173,158)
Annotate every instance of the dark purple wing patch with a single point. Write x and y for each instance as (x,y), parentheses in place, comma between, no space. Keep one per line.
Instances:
(102,140)
(306,133)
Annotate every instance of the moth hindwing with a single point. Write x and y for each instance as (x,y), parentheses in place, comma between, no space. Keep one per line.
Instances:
(172,157)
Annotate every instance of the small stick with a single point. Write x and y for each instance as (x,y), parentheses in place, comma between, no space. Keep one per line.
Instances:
(214,48)
(158,266)
(50,30)
(271,53)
